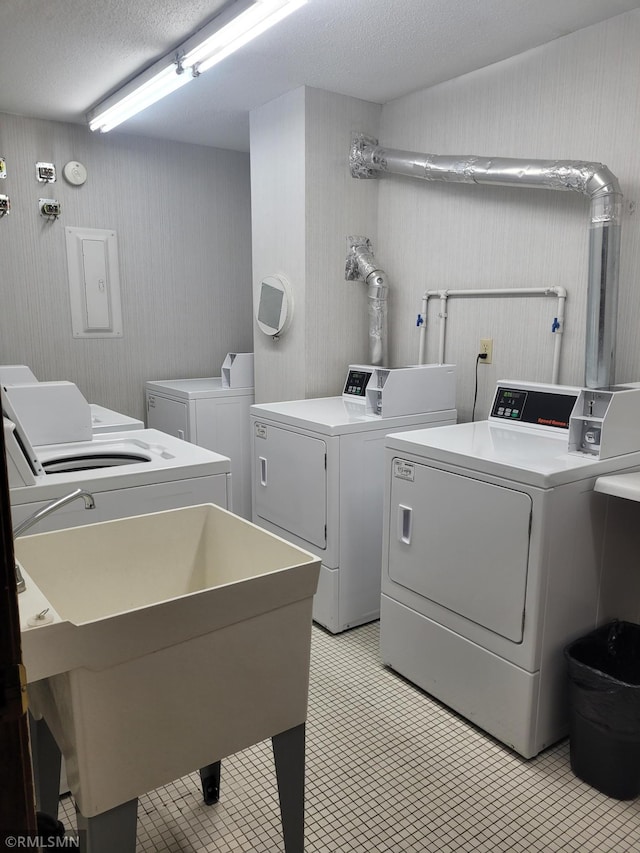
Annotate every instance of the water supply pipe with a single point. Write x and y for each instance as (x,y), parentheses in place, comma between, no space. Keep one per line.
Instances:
(595,180)
(444,295)
(361,266)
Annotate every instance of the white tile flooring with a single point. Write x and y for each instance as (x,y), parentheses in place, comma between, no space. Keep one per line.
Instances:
(389,770)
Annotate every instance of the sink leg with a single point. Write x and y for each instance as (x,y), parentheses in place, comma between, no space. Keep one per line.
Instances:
(210,778)
(47,761)
(288,753)
(110,831)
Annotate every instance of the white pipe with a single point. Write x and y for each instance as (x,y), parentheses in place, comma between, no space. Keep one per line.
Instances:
(422,325)
(559,293)
(443,326)
(558,332)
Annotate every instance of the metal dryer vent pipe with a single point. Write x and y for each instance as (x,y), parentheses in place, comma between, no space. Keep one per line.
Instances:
(361,266)
(368,159)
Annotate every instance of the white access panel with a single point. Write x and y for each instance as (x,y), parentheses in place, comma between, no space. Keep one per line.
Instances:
(471,555)
(290,479)
(94,282)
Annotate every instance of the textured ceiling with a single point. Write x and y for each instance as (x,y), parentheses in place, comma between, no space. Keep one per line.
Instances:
(58,58)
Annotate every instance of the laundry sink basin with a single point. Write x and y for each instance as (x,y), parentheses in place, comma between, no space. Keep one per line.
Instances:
(170,640)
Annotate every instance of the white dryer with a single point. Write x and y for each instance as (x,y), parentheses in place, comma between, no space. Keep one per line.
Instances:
(497,552)
(318,476)
(209,413)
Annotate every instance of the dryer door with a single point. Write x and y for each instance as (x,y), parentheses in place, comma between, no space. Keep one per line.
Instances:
(461,543)
(291,482)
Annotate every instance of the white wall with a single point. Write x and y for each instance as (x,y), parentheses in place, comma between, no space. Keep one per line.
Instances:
(278,237)
(575,98)
(336,207)
(182,216)
(304,205)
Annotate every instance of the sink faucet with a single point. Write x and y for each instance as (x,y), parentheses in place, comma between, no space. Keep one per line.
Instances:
(46,510)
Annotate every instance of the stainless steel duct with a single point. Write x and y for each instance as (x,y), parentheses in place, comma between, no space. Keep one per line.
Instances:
(361,266)
(368,160)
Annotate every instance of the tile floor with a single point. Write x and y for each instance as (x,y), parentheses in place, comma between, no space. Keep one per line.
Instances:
(389,770)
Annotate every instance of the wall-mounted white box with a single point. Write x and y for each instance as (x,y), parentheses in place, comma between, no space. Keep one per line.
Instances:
(94,283)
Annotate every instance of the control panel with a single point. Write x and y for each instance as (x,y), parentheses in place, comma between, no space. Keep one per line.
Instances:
(389,392)
(356,384)
(533,404)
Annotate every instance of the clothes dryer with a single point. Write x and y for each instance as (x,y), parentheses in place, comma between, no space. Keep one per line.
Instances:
(318,476)
(498,552)
(209,413)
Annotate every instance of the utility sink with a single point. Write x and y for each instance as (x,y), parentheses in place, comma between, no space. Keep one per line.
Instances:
(169,641)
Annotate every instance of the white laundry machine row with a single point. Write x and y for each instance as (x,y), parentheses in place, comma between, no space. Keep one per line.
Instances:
(318,476)
(210,413)
(497,553)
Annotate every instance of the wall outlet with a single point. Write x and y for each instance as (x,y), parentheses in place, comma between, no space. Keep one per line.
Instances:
(486,346)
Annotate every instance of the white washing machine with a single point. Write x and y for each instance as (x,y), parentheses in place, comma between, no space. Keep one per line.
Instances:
(318,476)
(497,552)
(210,414)
(128,473)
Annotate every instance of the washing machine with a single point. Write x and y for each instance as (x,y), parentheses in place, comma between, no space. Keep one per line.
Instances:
(128,473)
(318,474)
(212,413)
(498,552)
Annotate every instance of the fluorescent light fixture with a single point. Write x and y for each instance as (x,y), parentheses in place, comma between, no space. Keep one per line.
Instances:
(228,32)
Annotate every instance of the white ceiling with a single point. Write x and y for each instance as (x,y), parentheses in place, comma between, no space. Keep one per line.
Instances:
(58,58)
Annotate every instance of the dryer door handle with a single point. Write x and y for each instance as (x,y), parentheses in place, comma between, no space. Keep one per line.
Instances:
(405,523)
(263,470)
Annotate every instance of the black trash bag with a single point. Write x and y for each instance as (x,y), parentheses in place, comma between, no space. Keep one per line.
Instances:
(605,667)
(604,689)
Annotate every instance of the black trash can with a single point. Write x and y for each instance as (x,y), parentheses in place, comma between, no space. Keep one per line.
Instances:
(604,691)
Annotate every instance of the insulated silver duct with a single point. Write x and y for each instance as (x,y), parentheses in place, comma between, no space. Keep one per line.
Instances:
(368,159)
(361,266)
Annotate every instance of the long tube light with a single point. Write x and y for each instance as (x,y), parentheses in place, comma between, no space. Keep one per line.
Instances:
(191,59)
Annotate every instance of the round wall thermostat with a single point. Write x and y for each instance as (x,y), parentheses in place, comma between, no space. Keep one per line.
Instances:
(75,173)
